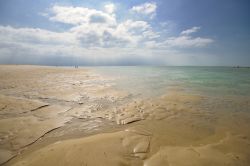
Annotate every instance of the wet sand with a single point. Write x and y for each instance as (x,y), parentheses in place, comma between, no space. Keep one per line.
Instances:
(67,116)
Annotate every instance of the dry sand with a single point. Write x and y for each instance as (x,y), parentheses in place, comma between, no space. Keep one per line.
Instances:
(66,116)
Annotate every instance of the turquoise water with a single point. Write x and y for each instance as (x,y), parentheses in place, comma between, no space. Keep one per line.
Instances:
(156,80)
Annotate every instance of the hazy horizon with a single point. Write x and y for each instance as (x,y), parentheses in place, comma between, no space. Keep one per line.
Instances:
(89,65)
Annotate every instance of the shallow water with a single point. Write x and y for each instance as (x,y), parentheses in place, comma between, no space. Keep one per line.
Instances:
(155,80)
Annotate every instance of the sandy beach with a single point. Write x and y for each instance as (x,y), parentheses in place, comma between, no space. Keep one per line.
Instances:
(75,116)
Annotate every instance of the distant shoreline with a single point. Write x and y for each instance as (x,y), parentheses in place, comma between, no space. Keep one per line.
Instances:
(119,65)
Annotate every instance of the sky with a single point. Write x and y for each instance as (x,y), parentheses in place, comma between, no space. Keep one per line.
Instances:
(131,32)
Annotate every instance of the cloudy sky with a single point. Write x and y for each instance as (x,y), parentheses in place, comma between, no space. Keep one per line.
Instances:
(131,32)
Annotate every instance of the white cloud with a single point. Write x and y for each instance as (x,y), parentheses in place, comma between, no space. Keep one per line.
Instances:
(187,41)
(95,36)
(80,15)
(97,28)
(141,25)
(35,36)
(148,8)
(110,8)
(190,31)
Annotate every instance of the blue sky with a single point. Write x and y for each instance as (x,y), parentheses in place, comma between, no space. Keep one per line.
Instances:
(135,32)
